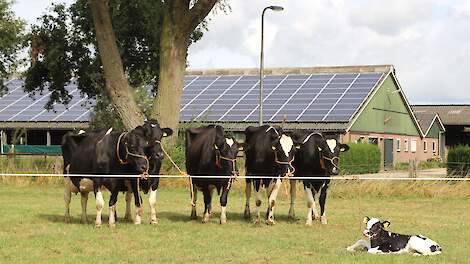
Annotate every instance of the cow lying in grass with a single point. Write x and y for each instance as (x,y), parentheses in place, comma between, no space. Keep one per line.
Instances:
(380,241)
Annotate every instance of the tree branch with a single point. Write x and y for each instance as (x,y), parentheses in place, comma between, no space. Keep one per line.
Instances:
(198,12)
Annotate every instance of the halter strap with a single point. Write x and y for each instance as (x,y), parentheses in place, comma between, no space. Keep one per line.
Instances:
(271,127)
(310,135)
(123,162)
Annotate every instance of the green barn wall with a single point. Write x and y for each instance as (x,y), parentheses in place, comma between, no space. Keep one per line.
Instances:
(386,113)
(434,131)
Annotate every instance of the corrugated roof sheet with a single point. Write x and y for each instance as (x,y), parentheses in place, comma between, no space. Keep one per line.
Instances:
(449,114)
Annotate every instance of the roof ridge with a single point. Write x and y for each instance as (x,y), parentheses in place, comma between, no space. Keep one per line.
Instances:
(293,70)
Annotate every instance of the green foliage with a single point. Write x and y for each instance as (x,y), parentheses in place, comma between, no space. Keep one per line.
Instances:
(70,50)
(458,160)
(105,115)
(11,37)
(431,164)
(401,166)
(360,159)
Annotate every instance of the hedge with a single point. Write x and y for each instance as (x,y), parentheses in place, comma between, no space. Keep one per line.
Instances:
(360,158)
(458,160)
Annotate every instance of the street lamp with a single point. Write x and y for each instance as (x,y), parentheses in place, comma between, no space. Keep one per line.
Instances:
(261,63)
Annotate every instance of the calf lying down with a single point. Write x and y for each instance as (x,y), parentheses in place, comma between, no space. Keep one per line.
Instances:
(380,241)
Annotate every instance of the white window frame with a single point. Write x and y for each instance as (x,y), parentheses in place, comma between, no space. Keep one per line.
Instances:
(413,145)
(398,145)
(425,146)
(434,146)
(406,145)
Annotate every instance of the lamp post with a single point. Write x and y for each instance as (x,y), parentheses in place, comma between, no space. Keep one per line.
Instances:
(261,64)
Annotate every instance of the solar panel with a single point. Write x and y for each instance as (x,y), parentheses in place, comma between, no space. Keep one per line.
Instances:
(317,97)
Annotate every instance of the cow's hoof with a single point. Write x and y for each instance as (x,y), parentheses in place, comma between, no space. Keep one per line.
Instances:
(154,222)
(112,225)
(84,221)
(223,221)
(193,215)
(308,223)
(205,219)
(270,222)
(128,218)
(97,225)
(247,214)
(291,217)
(257,221)
(350,249)
(67,220)
(323,220)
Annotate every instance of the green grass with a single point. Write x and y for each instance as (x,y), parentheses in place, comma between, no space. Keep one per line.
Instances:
(32,230)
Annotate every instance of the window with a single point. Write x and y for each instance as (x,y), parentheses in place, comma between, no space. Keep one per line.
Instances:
(398,145)
(406,145)
(413,146)
(434,146)
(425,146)
(373,140)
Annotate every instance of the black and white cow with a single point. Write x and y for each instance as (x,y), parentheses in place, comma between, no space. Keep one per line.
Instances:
(318,155)
(153,150)
(209,152)
(381,241)
(269,152)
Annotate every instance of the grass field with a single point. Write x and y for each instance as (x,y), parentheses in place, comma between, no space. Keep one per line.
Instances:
(32,228)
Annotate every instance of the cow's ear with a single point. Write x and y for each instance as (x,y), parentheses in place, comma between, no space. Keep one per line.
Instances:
(319,149)
(167,132)
(343,147)
(366,219)
(386,223)
(241,146)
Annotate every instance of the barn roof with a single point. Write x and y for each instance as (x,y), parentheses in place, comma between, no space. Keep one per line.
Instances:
(450,114)
(426,120)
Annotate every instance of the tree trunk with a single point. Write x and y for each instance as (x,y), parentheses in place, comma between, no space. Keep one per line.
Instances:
(173,52)
(117,86)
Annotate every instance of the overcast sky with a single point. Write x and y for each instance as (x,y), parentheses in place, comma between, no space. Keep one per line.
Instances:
(426,40)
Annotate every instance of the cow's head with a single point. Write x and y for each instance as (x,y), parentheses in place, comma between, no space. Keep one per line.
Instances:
(330,149)
(135,143)
(283,146)
(226,151)
(154,134)
(374,227)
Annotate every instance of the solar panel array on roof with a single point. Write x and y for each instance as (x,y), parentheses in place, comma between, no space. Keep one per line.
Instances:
(297,97)
(225,98)
(17,105)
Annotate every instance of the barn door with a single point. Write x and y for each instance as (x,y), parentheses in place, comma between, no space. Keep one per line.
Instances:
(388,154)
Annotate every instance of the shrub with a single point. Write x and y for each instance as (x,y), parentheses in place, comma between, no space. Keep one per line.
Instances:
(458,160)
(360,159)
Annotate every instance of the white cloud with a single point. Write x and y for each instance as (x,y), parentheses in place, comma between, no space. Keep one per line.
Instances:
(426,40)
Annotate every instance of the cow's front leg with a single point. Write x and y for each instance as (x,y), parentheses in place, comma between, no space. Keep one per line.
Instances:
(139,210)
(359,245)
(99,207)
(193,203)
(272,202)
(112,207)
(152,204)
(128,215)
(223,205)
(207,202)
(84,202)
(293,196)
(258,203)
(310,205)
(322,201)
(247,214)
(67,198)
